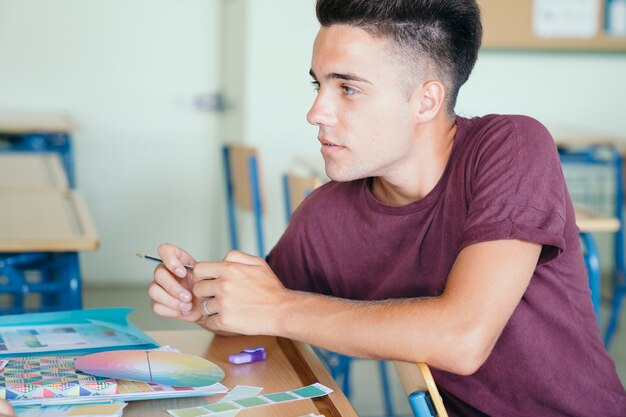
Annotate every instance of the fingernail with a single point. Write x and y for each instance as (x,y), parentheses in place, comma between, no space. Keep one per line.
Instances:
(180,272)
(184,297)
(185,307)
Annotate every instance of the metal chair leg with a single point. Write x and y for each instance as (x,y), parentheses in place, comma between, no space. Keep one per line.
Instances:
(386,389)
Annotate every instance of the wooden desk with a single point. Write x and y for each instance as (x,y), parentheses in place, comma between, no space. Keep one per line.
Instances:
(45,222)
(27,172)
(37,211)
(589,221)
(21,123)
(289,365)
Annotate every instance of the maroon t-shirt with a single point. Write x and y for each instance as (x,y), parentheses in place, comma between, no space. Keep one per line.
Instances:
(503,181)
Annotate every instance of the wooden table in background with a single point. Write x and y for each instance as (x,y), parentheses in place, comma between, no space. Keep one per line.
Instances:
(38,213)
(289,365)
(589,221)
(28,122)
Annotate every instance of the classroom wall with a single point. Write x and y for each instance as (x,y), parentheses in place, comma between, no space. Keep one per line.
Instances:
(148,181)
(276,98)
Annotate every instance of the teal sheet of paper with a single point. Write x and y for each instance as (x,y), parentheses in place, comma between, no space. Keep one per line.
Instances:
(74,332)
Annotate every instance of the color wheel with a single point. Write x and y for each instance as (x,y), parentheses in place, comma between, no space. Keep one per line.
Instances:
(155,366)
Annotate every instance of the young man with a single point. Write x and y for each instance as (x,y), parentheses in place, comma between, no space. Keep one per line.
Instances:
(441,239)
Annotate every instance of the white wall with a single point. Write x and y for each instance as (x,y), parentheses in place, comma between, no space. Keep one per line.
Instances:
(278,94)
(573,94)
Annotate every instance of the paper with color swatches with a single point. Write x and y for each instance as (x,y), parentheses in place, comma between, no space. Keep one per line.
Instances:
(238,392)
(26,378)
(311,391)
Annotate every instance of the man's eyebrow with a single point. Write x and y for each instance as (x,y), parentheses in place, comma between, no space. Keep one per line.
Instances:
(341,76)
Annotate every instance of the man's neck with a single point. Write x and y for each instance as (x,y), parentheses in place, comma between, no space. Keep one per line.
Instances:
(421,173)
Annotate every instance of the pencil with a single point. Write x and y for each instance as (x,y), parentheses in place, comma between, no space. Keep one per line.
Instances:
(155,259)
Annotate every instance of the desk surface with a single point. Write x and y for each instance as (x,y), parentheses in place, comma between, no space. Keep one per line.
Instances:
(29,171)
(589,221)
(45,221)
(21,123)
(289,365)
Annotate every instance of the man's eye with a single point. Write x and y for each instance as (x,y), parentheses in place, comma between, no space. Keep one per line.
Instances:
(348,91)
(316,85)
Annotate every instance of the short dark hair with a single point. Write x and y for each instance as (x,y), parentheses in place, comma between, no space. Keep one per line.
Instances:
(442,35)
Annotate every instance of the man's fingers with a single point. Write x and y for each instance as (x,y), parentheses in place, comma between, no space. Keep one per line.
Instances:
(209,270)
(235,263)
(160,296)
(5,409)
(171,285)
(243,258)
(165,311)
(175,259)
(208,307)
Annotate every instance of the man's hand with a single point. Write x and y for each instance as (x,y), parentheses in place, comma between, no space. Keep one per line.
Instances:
(5,409)
(238,295)
(241,295)
(171,289)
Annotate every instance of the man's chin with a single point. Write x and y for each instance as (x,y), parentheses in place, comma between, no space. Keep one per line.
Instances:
(341,176)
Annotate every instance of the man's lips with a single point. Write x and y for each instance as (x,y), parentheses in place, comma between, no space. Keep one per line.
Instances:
(330,148)
(326,142)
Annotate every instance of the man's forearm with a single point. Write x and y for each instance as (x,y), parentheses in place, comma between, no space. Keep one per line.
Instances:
(415,330)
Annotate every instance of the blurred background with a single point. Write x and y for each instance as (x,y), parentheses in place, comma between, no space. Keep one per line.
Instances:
(155,88)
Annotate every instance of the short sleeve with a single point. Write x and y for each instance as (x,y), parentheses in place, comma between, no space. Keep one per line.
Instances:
(295,258)
(516,188)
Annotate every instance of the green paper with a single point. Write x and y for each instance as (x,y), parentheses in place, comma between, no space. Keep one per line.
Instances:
(309,392)
(279,397)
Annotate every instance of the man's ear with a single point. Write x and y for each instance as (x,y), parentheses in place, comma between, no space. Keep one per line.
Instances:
(431,98)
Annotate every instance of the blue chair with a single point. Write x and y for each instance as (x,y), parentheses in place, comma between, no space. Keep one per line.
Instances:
(243,191)
(295,189)
(53,278)
(587,170)
(591,255)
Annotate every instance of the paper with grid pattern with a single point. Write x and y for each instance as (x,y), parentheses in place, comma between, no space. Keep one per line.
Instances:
(49,377)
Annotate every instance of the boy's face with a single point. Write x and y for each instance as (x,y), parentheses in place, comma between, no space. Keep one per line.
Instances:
(362,108)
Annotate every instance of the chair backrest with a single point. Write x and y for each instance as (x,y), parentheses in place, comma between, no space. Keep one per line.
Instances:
(295,189)
(416,379)
(594,176)
(243,190)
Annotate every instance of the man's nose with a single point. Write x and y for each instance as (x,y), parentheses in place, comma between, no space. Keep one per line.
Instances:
(322,112)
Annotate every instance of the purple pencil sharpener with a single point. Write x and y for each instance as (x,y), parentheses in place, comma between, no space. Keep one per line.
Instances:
(248,355)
